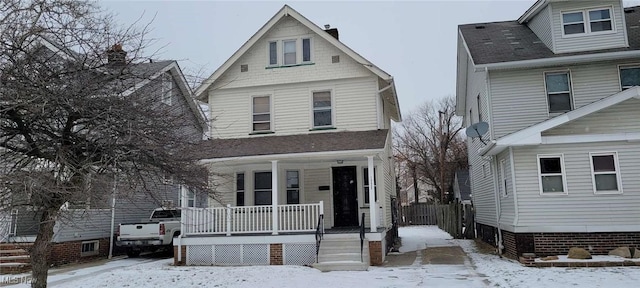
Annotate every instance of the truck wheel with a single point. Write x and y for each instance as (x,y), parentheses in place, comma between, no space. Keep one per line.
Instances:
(133,253)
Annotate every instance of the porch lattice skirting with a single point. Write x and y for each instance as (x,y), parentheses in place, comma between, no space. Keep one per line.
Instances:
(249,254)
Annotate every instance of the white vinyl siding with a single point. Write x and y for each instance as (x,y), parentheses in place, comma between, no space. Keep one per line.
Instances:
(518,97)
(313,179)
(354,107)
(587,41)
(541,26)
(581,210)
(605,173)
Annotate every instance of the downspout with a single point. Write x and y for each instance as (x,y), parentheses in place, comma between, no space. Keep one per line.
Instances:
(183,228)
(493,162)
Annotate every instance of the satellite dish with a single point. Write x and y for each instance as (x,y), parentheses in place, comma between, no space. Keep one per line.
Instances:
(477,130)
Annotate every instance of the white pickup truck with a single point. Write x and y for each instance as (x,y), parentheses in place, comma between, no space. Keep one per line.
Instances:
(158,232)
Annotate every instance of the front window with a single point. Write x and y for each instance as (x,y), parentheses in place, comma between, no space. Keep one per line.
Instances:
(605,172)
(240,189)
(366,185)
(551,172)
(262,188)
(629,77)
(322,109)
(587,21)
(293,187)
(558,92)
(261,114)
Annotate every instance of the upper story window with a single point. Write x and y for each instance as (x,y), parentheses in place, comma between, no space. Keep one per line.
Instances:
(261,119)
(551,174)
(289,52)
(558,85)
(605,172)
(587,21)
(166,90)
(629,77)
(322,109)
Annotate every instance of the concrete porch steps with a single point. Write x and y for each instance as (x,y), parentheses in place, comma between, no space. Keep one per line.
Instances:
(342,255)
(14,258)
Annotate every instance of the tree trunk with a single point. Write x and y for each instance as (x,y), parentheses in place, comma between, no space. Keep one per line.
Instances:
(42,248)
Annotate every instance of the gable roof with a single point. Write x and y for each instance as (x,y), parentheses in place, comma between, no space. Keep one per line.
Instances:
(533,134)
(285,11)
(293,144)
(488,43)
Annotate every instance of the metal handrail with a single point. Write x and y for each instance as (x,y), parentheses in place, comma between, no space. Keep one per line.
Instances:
(361,237)
(319,234)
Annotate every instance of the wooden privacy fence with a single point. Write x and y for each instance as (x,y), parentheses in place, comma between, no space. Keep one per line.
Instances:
(455,218)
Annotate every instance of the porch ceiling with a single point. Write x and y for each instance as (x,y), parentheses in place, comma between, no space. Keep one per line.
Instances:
(318,146)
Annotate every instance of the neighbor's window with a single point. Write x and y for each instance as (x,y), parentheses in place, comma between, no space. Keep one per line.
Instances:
(587,21)
(293,187)
(262,188)
(261,113)
(190,195)
(629,77)
(167,88)
(322,109)
(605,173)
(365,175)
(90,248)
(273,53)
(240,189)
(551,174)
(558,92)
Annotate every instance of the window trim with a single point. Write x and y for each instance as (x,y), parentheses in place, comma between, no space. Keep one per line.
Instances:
(286,184)
(586,21)
(251,122)
(502,170)
(261,190)
(365,187)
(616,164)
(563,174)
(571,98)
(313,110)
(626,66)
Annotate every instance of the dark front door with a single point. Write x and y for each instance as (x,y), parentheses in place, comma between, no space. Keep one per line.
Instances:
(345,201)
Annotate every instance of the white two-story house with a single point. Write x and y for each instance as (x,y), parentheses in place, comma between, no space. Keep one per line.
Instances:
(558,166)
(300,145)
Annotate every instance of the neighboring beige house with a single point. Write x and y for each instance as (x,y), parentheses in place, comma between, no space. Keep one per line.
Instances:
(559,165)
(300,145)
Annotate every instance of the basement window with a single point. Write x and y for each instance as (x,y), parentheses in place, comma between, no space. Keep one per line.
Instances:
(90,248)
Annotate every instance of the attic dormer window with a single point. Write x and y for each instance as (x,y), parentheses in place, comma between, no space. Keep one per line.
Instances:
(290,52)
(167,88)
(587,21)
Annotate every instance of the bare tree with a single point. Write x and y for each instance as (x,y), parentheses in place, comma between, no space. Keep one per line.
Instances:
(429,141)
(73,116)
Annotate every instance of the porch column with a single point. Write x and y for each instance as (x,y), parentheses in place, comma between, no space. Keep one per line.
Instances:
(274,196)
(373,206)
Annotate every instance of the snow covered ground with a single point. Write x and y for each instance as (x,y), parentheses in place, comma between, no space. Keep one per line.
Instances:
(482,271)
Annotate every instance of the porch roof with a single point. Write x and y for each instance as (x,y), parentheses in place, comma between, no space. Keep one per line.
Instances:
(292,144)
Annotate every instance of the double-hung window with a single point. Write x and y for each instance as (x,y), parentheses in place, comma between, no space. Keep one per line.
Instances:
(322,111)
(262,188)
(166,89)
(289,52)
(587,21)
(261,119)
(558,86)
(293,187)
(551,174)
(365,175)
(629,77)
(605,172)
(240,189)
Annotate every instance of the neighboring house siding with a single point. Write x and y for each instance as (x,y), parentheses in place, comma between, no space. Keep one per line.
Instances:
(619,118)
(587,42)
(256,59)
(519,98)
(541,26)
(581,208)
(314,178)
(354,107)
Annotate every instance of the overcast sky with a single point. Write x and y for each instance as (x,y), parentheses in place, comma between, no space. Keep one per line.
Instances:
(414,41)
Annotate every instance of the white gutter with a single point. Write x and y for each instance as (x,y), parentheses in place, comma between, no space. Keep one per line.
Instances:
(333,154)
(574,59)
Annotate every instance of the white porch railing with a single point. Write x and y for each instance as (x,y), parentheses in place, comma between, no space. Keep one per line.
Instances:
(250,219)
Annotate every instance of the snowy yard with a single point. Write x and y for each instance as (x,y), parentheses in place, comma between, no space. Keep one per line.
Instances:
(482,271)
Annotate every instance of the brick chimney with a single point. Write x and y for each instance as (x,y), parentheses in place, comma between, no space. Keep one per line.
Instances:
(332,31)
(115,55)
